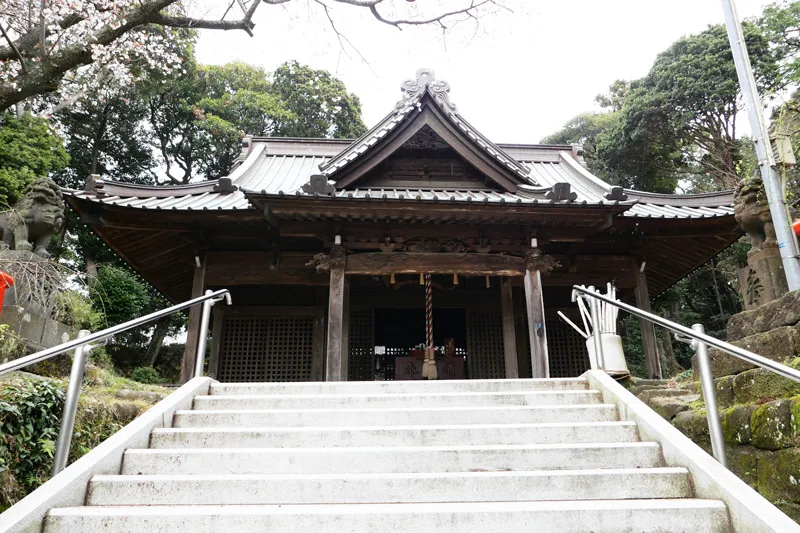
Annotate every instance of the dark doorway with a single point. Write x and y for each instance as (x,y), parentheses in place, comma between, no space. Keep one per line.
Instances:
(399,331)
(405,328)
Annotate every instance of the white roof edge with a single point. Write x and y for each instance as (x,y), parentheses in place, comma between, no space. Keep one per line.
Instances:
(572,163)
(249,161)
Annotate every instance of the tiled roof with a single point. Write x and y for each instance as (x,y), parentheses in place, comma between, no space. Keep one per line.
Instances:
(280,167)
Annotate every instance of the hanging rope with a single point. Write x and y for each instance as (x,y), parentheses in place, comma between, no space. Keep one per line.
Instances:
(429,366)
(428,312)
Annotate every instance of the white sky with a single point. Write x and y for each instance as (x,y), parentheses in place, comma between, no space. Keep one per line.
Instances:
(517,78)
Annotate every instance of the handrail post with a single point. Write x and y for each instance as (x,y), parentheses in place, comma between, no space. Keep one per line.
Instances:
(200,356)
(596,333)
(61,455)
(710,397)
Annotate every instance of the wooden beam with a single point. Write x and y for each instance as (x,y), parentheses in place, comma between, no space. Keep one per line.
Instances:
(536,324)
(380,263)
(509,331)
(334,369)
(193,327)
(651,358)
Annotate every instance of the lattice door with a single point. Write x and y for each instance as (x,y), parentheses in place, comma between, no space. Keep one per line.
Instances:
(361,365)
(566,350)
(266,348)
(485,355)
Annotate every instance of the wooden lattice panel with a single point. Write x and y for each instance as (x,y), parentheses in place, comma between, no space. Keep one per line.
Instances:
(361,364)
(266,348)
(566,350)
(485,355)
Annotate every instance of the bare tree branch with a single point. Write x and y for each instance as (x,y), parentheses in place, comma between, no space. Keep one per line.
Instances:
(15,50)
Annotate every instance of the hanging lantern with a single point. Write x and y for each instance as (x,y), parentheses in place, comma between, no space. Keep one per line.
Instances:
(392,280)
(488,283)
(455,279)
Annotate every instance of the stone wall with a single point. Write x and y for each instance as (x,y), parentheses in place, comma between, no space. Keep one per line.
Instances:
(759,410)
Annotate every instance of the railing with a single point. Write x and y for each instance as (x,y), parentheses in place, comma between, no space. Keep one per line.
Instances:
(82,348)
(698,339)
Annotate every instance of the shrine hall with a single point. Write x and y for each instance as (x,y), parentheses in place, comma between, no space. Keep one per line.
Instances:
(356,259)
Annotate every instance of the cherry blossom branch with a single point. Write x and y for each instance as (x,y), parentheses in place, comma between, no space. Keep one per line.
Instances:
(15,50)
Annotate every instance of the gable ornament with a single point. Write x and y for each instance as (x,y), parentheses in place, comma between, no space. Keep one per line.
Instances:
(426,80)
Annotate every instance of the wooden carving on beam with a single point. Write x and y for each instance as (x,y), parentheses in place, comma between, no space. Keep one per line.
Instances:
(325,262)
(535,260)
(378,263)
(421,244)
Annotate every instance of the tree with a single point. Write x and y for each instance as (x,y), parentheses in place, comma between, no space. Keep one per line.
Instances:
(319,103)
(199,118)
(691,95)
(781,25)
(28,150)
(47,42)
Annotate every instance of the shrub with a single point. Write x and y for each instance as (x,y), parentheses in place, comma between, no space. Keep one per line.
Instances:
(29,423)
(146,374)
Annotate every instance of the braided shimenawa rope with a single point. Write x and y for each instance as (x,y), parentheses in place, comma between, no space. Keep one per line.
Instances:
(428,312)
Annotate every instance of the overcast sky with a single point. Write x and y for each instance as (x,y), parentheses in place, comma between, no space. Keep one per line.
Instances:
(516,77)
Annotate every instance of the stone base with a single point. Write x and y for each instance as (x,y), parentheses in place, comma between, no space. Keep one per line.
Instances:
(780,344)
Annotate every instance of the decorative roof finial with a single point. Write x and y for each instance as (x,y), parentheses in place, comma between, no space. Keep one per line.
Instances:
(426,80)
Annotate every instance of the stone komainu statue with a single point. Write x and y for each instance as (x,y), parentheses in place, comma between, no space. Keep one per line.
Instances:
(32,222)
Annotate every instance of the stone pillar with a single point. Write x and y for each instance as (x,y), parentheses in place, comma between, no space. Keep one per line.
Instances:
(509,330)
(763,280)
(537,263)
(335,363)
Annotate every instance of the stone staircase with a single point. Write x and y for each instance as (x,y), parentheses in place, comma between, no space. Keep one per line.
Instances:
(452,456)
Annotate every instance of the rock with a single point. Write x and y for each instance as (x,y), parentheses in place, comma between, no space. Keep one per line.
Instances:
(759,384)
(668,408)
(693,424)
(724,388)
(743,461)
(735,424)
(785,311)
(648,395)
(638,389)
(125,412)
(771,426)
(136,395)
(779,476)
(778,344)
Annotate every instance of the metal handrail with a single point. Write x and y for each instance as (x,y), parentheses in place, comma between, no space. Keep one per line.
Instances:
(82,347)
(698,339)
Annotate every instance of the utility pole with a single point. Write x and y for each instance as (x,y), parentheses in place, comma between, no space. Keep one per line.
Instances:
(773,185)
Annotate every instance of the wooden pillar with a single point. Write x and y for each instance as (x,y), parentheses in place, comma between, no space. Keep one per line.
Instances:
(651,359)
(335,365)
(509,330)
(193,327)
(536,328)
(346,330)
(536,263)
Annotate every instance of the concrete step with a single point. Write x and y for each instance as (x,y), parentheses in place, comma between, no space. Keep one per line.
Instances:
(392,459)
(551,433)
(620,516)
(395,416)
(289,489)
(403,400)
(404,387)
